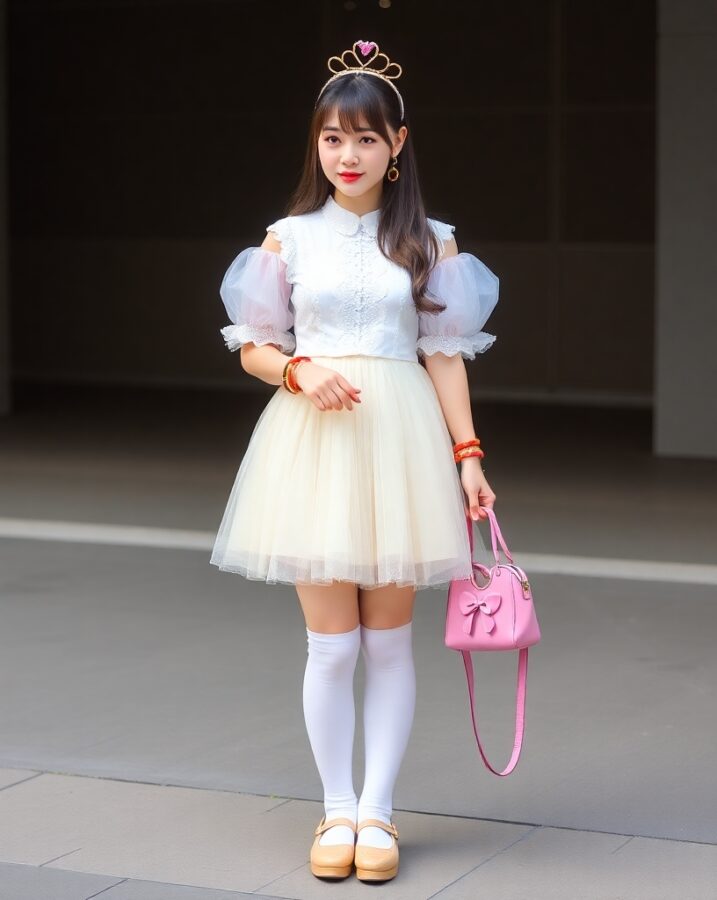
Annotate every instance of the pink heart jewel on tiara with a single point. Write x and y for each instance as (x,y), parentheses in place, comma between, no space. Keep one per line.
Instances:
(367,46)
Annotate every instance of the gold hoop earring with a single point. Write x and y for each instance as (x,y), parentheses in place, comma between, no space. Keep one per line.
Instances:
(393,172)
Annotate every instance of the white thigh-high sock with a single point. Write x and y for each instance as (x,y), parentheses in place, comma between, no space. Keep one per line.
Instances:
(389,704)
(329,713)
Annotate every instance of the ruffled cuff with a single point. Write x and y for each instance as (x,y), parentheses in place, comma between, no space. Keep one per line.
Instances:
(467,345)
(236,335)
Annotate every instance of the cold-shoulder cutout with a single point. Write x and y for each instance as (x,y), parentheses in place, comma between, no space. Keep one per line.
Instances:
(256,294)
(443,231)
(450,248)
(271,243)
(283,229)
(469,291)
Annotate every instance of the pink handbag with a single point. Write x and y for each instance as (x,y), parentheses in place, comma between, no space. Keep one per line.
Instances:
(497,616)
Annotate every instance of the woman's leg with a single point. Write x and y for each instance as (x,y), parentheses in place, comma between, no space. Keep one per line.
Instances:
(334,639)
(386,616)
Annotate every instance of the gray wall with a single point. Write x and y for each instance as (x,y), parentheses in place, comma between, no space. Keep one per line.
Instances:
(5,382)
(151,141)
(685,420)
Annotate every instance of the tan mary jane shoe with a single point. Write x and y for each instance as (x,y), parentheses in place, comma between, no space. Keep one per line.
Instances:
(332,860)
(377,863)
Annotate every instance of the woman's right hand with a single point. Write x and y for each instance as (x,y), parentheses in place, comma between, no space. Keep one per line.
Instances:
(326,388)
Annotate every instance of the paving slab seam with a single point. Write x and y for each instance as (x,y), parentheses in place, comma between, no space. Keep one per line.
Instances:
(419,812)
(487,860)
(618,849)
(178,884)
(61,856)
(37,774)
(444,815)
(110,887)
(279,877)
(17,764)
(281,803)
(272,896)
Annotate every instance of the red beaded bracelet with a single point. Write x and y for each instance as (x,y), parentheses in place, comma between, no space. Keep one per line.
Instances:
(466,449)
(473,442)
(467,453)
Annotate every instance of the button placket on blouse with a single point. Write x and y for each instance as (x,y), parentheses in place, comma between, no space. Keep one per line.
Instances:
(363,236)
(352,233)
(375,287)
(349,264)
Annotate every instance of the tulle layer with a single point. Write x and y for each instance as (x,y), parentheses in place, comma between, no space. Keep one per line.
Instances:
(369,495)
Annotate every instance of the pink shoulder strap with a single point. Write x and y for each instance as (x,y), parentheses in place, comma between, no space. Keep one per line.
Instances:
(519,709)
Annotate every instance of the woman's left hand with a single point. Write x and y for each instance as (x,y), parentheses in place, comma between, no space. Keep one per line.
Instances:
(477,489)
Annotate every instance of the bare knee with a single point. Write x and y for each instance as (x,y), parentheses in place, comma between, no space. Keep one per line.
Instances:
(386,607)
(329,608)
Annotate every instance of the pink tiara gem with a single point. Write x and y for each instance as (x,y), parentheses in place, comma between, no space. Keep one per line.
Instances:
(366,47)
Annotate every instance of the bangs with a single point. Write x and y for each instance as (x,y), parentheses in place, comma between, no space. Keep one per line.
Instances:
(358,104)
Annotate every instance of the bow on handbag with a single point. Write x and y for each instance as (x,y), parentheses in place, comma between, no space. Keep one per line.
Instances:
(499,615)
(470,605)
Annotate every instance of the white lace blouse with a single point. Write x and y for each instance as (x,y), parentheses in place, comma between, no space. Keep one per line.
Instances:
(341,296)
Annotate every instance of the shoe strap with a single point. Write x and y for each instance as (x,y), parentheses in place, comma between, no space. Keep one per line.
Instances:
(379,823)
(324,825)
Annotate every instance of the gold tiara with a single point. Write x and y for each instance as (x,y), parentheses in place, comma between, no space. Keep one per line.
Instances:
(389,72)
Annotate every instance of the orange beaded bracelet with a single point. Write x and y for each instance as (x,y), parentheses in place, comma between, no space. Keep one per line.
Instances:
(285,381)
(291,378)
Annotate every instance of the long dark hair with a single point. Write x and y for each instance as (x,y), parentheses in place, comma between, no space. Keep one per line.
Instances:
(404,236)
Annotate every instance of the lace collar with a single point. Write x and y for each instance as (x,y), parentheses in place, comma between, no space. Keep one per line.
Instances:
(347,222)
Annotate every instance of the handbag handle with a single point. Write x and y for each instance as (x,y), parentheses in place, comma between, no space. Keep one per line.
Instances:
(495,533)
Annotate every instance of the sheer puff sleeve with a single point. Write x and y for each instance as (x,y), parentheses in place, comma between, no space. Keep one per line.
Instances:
(469,291)
(256,294)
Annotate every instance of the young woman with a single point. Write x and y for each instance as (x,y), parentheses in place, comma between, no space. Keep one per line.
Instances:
(348,488)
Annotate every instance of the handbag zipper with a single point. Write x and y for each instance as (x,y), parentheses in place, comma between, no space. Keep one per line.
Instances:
(522,577)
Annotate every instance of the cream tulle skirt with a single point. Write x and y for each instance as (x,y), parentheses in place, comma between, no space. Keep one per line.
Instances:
(369,495)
